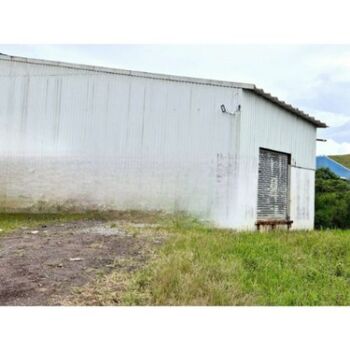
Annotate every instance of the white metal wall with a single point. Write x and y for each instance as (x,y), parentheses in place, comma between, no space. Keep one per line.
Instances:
(263,124)
(71,138)
(302,198)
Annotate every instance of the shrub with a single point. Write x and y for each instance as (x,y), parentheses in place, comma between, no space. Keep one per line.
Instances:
(332,200)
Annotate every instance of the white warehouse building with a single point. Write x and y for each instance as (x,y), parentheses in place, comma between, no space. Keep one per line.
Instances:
(82,137)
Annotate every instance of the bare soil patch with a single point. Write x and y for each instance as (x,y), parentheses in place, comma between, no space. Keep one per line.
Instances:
(40,266)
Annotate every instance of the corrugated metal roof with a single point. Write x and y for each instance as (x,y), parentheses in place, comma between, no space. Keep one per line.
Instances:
(335,167)
(191,80)
(290,108)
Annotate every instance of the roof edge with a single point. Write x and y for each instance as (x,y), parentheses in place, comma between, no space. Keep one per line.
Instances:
(201,81)
(127,72)
(289,108)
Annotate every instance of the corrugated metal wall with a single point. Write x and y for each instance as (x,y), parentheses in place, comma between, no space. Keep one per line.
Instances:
(75,138)
(265,125)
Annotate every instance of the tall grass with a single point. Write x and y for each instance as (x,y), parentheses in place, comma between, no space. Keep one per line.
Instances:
(201,265)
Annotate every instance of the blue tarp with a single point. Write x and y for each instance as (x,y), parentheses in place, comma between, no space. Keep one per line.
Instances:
(335,167)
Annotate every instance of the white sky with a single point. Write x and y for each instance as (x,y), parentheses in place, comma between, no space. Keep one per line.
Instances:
(314,78)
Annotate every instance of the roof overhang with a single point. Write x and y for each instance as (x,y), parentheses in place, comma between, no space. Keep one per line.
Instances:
(289,107)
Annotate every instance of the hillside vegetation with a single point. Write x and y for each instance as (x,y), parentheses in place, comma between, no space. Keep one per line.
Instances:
(332,200)
(343,159)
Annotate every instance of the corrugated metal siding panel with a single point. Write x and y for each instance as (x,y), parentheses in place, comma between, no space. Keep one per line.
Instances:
(191,80)
(96,140)
(269,126)
(265,125)
(302,192)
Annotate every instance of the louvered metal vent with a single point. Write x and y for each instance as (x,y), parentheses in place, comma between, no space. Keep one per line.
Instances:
(273,185)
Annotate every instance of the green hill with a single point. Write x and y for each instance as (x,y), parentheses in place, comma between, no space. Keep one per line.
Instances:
(343,159)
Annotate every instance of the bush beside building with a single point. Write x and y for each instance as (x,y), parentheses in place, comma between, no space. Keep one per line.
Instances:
(332,200)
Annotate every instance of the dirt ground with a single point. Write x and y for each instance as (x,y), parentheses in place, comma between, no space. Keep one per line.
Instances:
(40,266)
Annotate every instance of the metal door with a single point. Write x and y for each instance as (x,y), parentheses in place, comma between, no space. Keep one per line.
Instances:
(273,185)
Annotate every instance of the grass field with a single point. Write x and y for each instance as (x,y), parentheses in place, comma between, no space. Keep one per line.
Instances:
(201,265)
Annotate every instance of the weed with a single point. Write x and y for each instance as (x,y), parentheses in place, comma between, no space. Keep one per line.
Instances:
(202,265)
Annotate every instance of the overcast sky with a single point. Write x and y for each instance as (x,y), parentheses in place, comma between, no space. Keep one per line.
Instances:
(313,78)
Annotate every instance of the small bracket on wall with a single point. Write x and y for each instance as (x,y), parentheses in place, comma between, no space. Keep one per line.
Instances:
(224,110)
